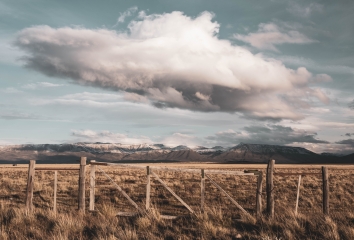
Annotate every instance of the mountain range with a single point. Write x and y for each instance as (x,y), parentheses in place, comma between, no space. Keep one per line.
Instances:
(116,152)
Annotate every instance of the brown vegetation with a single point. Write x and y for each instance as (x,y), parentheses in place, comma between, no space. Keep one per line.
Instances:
(221,220)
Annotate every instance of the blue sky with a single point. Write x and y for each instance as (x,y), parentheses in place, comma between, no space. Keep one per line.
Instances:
(178,72)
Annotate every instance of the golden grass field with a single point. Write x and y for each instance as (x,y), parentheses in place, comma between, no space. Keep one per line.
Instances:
(221,220)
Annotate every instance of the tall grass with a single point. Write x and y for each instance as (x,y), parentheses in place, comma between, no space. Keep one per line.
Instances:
(220,220)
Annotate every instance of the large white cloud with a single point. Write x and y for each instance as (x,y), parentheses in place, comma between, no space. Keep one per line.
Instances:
(170,60)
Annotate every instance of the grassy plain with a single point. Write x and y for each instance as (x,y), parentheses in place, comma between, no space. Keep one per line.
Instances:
(221,220)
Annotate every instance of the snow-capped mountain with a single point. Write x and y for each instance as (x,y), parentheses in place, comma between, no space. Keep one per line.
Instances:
(255,153)
(267,149)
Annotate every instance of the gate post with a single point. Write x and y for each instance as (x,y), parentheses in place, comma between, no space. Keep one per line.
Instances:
(270,187)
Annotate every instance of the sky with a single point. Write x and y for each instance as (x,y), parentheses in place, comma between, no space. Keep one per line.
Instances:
(210,73)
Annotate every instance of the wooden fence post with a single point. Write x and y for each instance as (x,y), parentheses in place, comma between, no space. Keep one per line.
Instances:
(259,194)
(148,188)
(297,194)
(30,185)
(202,191)
(92,185)
(270,188)
(55,191)
(325,186)
(82,184)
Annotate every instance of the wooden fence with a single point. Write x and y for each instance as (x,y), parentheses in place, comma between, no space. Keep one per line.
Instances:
(152,172)
(270,187)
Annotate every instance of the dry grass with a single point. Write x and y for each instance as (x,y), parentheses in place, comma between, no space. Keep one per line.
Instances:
(221,220)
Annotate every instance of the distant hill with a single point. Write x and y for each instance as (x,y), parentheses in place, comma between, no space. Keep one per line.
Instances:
(115,152)
(348,158)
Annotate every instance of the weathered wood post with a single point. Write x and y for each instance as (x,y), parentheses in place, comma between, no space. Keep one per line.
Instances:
(202,190)
(82,184)
(55,191)
(259,194)
(148,188)
(92,185)
(30,185)
(325,186)
(297,194)
(270,187)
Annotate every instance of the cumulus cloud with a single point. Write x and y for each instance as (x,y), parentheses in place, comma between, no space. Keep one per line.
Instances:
(107,136)
(267,134)
(271,34)
(39,85)
(171,61)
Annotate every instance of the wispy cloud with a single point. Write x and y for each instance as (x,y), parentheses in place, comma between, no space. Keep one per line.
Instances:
(5,142)
(351,105)
(13,115)
(10,90)
(86,99)
(301,61)
(264,134)
(326,148)
(39,85)
(304,10)
(122,16)
(108,136)
(270,34)
(349,142)
(182,139)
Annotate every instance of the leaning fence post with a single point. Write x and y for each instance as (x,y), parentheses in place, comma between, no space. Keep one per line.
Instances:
(259,194)
(148,188)
(55,191)
(30,185)
(325,186)
(270,187)
(92,185)
(297,194)
(202,191)
(82,184)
